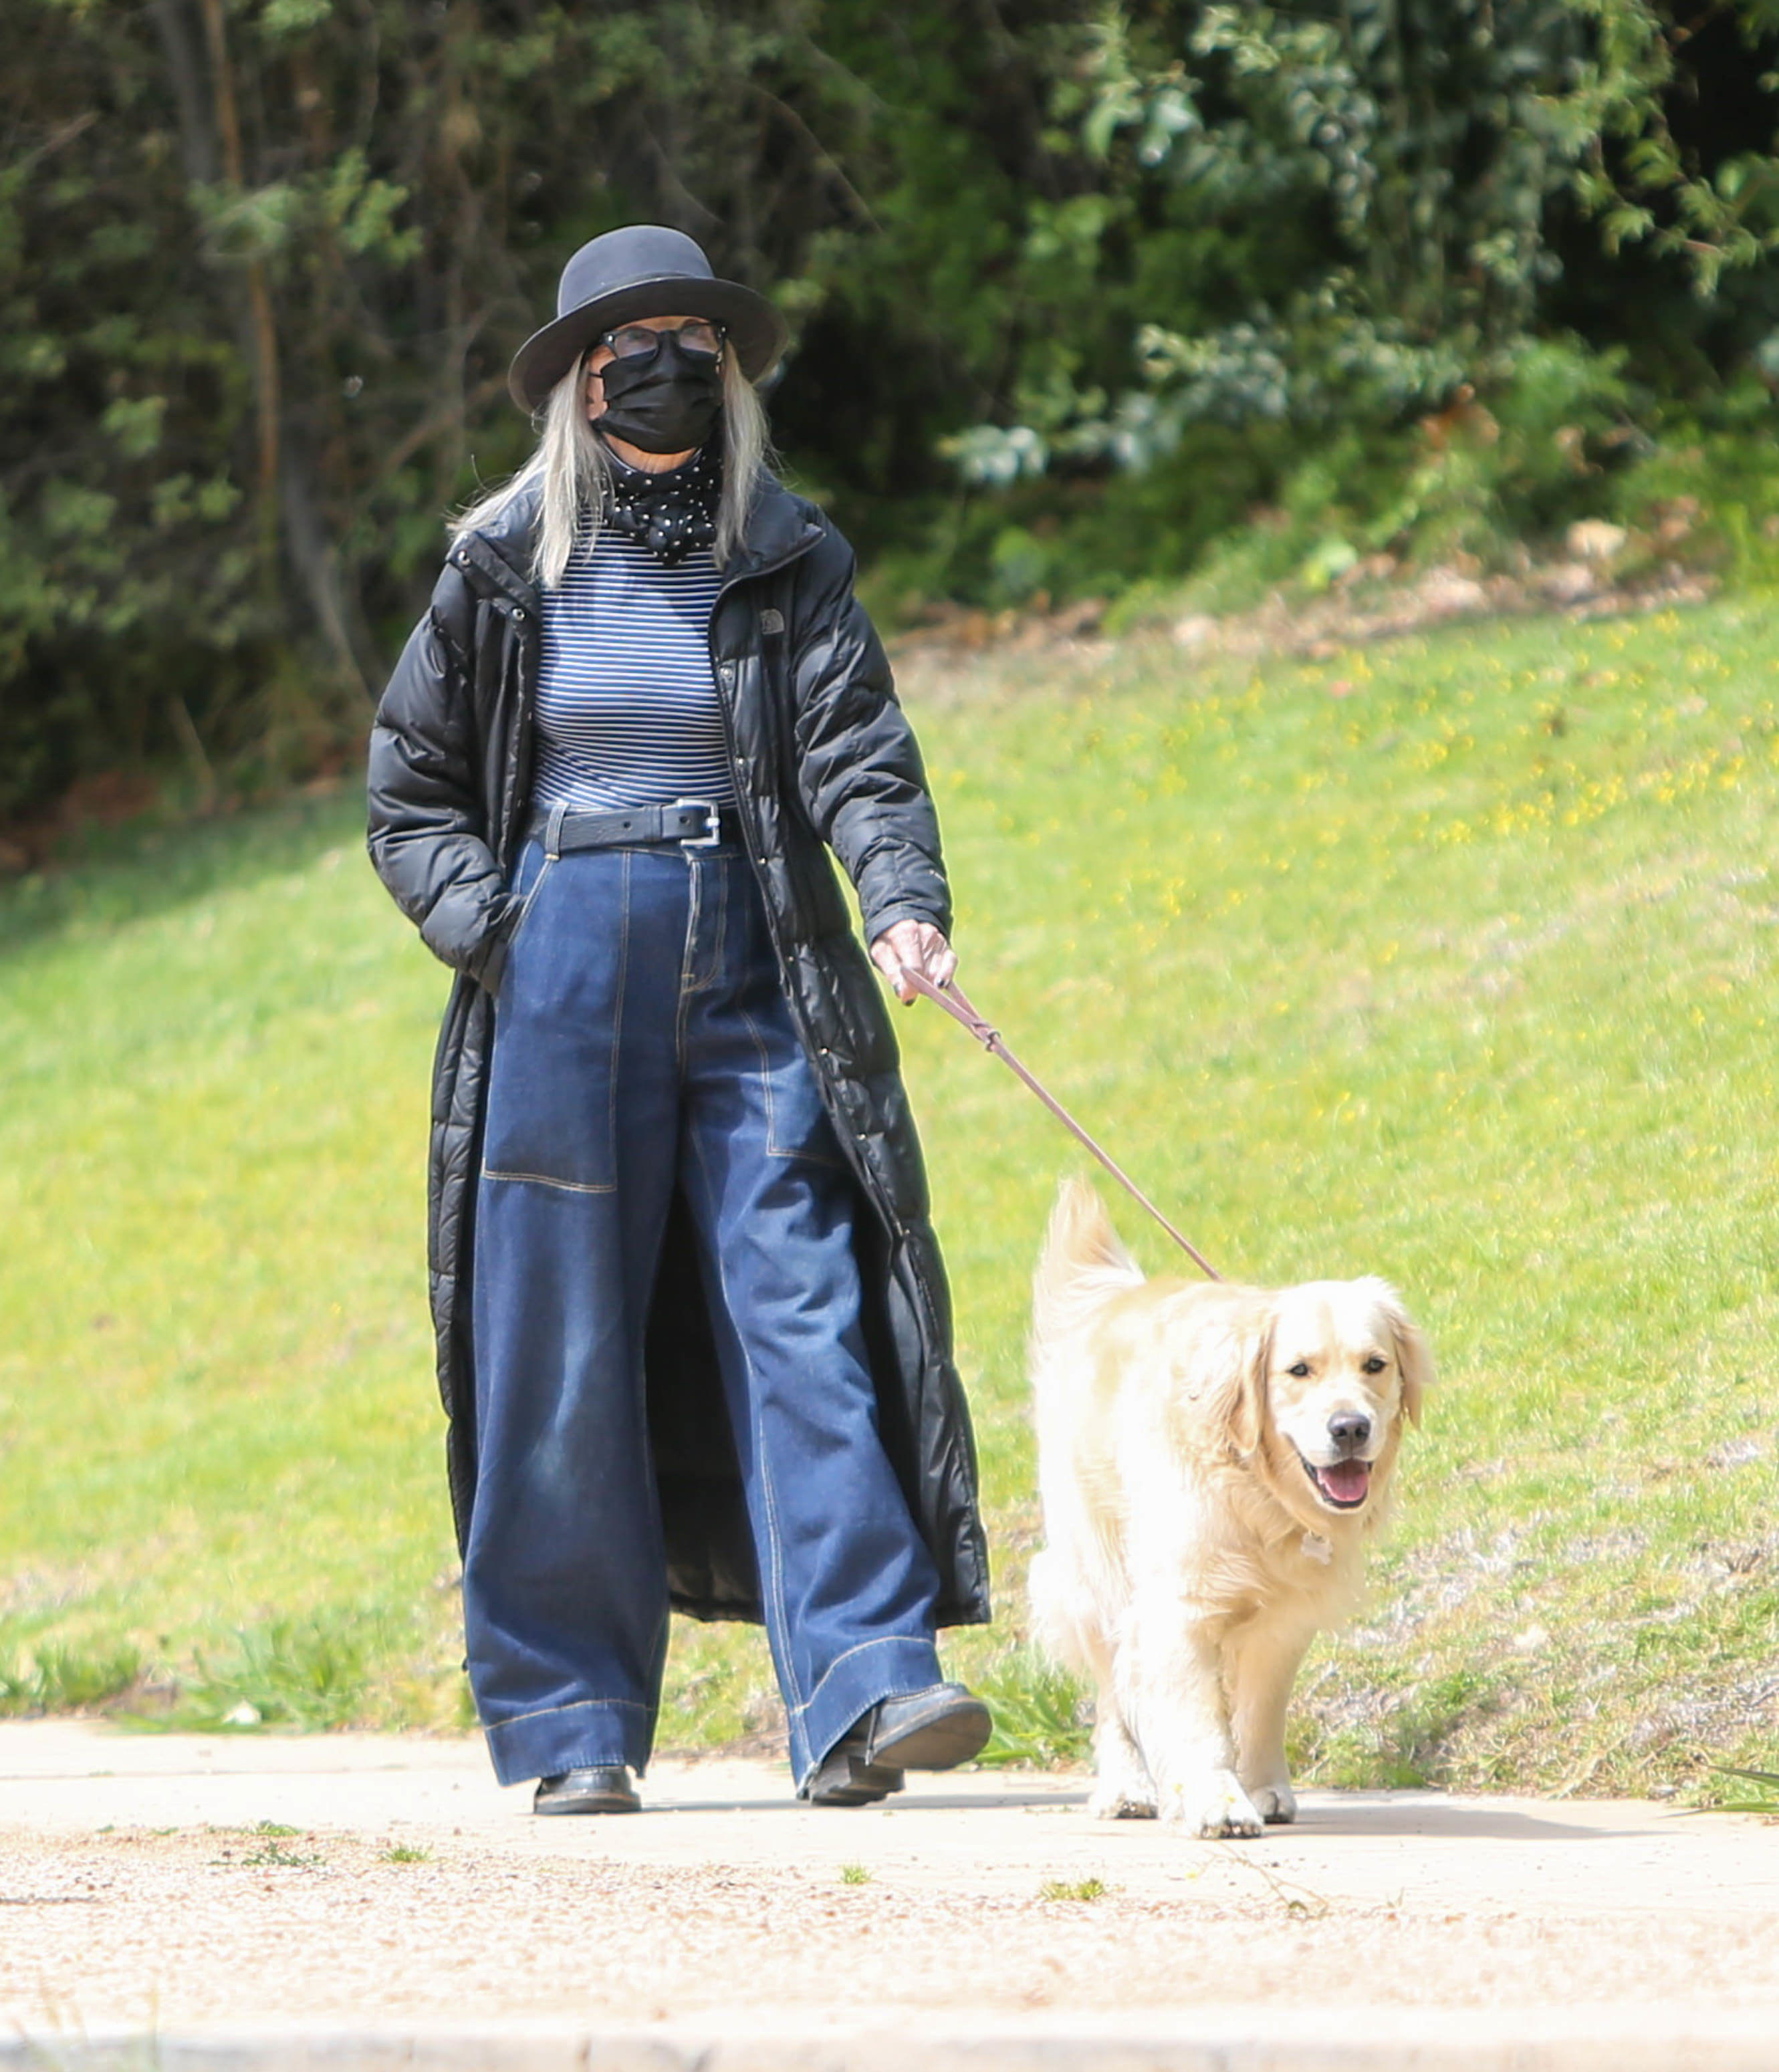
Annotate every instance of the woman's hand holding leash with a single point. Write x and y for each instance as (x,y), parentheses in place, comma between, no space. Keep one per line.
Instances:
(917,946)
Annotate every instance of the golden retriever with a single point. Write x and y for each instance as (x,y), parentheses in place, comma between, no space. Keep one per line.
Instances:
(1212,1460)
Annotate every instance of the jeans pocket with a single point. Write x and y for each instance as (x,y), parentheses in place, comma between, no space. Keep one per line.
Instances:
(553,1079)
(527,881)
(789,1095)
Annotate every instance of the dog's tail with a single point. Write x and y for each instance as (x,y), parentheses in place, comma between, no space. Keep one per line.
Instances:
(1082,1264)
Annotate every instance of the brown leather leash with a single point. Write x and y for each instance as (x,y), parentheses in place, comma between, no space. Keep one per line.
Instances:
(955,1002)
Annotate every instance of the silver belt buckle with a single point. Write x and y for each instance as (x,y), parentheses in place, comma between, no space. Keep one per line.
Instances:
(712,822)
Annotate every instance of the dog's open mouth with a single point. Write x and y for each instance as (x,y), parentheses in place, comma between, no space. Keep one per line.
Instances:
(1346,1485)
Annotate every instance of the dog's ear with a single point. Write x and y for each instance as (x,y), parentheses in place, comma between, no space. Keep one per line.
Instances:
(1413,1358)
(1249,1420)
(1239,1398)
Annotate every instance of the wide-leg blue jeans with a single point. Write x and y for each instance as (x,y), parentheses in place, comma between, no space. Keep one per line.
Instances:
(643,1041)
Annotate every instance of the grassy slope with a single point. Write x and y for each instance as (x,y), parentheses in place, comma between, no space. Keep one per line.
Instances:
(1451,960)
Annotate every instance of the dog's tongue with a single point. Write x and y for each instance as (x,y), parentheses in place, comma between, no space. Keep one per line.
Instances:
(1347,1481)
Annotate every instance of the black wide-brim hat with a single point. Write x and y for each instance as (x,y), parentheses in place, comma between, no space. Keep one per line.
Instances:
(643,270)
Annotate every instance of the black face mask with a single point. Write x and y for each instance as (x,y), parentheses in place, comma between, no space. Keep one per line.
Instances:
(666,402)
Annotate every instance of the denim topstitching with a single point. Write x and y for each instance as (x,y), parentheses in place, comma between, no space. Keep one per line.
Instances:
(864,1647)
(617,1017)
(778,1631)
(574,1705)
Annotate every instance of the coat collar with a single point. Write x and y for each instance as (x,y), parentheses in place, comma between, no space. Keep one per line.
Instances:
(501,553)
(780,527)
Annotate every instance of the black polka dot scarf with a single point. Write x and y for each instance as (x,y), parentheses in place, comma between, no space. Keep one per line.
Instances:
(669,514)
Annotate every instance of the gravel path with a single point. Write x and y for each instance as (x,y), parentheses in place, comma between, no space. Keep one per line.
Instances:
(197,1928)
(160,1884)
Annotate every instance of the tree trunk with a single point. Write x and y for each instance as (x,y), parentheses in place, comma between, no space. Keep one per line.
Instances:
(261,322)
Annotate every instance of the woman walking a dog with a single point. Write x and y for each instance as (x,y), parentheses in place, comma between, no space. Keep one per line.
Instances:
(693,1328)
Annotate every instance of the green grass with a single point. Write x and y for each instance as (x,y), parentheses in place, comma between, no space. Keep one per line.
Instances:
(53,1677)
(1450,960)
(1042,1716)
(309,1673)
(273,1854)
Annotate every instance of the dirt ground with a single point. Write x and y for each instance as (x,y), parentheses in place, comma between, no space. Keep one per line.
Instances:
(199,1926)
(157,1884)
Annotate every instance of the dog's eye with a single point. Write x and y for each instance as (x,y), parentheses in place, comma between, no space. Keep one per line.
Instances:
(1374,1365)
(1298,1367)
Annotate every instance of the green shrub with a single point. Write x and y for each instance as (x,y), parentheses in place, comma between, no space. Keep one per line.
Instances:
(310,1673)
(1042,1716)
(56,1676)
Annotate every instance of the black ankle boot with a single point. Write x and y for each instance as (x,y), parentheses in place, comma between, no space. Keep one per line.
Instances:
(844,1777)
(935,1728)
(602,1787)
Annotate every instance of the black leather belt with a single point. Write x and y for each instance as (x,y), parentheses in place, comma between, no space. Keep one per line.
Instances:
(691,823)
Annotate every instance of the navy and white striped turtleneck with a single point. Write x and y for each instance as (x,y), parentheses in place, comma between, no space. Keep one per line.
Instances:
(627,709)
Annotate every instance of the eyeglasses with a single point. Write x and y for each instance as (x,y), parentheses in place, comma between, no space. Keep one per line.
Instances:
(635,341)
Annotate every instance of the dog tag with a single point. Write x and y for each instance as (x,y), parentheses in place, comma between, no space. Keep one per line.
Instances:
(1316,1548)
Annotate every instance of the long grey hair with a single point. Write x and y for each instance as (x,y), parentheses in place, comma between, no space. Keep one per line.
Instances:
(571,461)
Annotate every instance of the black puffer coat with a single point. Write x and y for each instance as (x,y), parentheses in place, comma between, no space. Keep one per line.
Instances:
(822,754)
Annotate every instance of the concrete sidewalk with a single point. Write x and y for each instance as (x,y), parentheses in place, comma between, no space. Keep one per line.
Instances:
(356,1900)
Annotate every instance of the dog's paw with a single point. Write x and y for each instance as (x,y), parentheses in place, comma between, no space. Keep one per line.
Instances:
(1214,1808)
(1119,1799)
(1275,1803)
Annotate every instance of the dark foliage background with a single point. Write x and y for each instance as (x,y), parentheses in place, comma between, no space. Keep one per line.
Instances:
(1077,291)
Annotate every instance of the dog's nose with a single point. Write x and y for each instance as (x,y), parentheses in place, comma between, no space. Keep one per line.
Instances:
(1349,1429)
